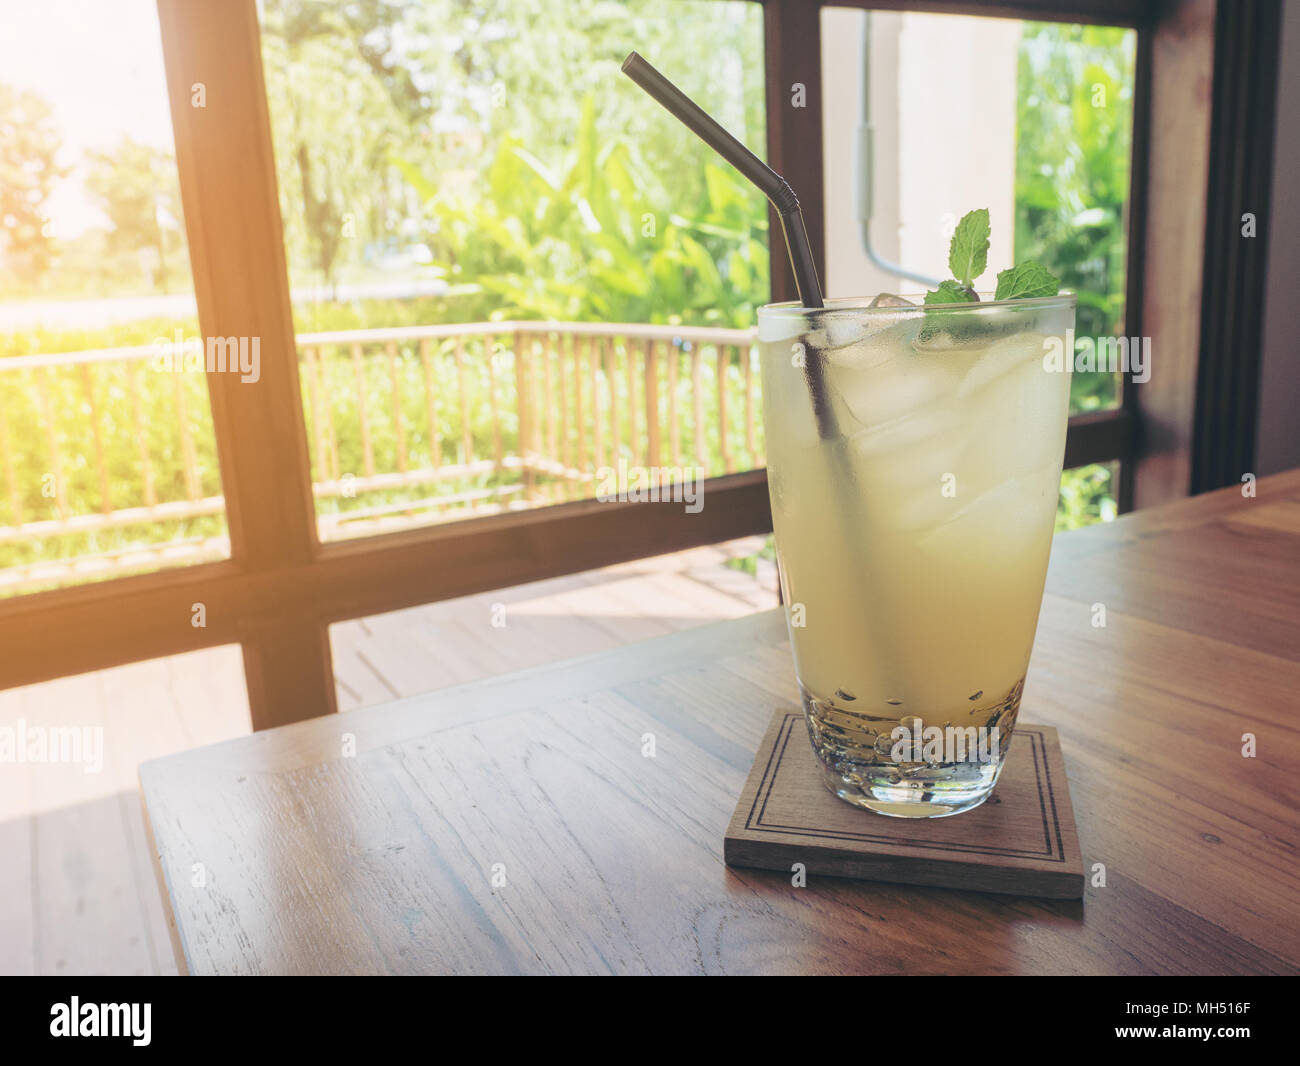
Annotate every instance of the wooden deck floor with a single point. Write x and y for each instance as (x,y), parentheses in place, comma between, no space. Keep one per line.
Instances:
(77,891)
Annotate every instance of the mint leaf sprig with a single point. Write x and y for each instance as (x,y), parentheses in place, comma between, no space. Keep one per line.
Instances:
(968,253)
(968,259)
(1025,281)
(951,292)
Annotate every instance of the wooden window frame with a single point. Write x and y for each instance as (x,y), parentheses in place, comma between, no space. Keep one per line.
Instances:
(282,587)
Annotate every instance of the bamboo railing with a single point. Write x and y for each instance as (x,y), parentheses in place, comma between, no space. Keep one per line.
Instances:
(405,426)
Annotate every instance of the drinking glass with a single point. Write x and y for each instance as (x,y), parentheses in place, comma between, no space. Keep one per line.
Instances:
(914,460)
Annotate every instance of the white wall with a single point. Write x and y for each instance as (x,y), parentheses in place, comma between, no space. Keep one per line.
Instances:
(958,111)
(943,105)
(848,271)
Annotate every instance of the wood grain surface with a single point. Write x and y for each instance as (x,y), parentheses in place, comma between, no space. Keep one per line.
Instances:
(522,825)
(1020,841)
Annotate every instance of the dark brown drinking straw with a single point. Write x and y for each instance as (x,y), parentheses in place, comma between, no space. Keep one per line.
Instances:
(769,183)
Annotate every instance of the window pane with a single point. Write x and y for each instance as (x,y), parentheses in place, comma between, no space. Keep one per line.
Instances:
(451,178)
(1074,101)
(107,457)
(1031,120)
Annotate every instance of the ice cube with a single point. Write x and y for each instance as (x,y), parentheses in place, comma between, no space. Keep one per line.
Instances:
(846,329)
(865,354)
(1019,418)
(870,343)
(1000,525)
(912,502)
(840,329)
(931,339)
(894,387)
(843,342)
(1001,357)
(907,467)
(815,341)
(906,431)
(956,354)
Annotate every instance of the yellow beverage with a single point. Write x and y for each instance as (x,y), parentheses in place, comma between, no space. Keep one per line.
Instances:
(913,525)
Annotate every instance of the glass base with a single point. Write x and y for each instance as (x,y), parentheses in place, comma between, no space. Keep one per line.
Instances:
(912,799)
(859,763)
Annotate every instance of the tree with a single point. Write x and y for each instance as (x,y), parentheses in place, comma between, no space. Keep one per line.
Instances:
(136,186)
(29,145)
(446,85)
(334,125)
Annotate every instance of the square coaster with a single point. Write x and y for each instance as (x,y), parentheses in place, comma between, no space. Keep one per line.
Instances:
(1021,841)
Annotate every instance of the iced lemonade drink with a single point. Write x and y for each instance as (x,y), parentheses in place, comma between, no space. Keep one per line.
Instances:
(914,459)
(913,516)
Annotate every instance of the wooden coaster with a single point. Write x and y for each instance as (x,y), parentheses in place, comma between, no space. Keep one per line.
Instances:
(1021,841)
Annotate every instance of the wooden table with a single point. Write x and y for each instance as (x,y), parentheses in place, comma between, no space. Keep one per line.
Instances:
(519,825)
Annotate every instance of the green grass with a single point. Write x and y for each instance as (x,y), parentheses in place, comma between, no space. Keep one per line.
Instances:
(144,401)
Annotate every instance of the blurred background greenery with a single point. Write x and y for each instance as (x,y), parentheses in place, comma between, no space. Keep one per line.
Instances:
(447,161)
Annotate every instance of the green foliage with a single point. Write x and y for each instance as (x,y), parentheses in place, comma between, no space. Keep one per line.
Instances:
(135,185)
(1087,496)
(588,241)
(748,564)
(29,143)
(132,334)
(334,124)
(1074,142)
(449,105)
(136,411)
